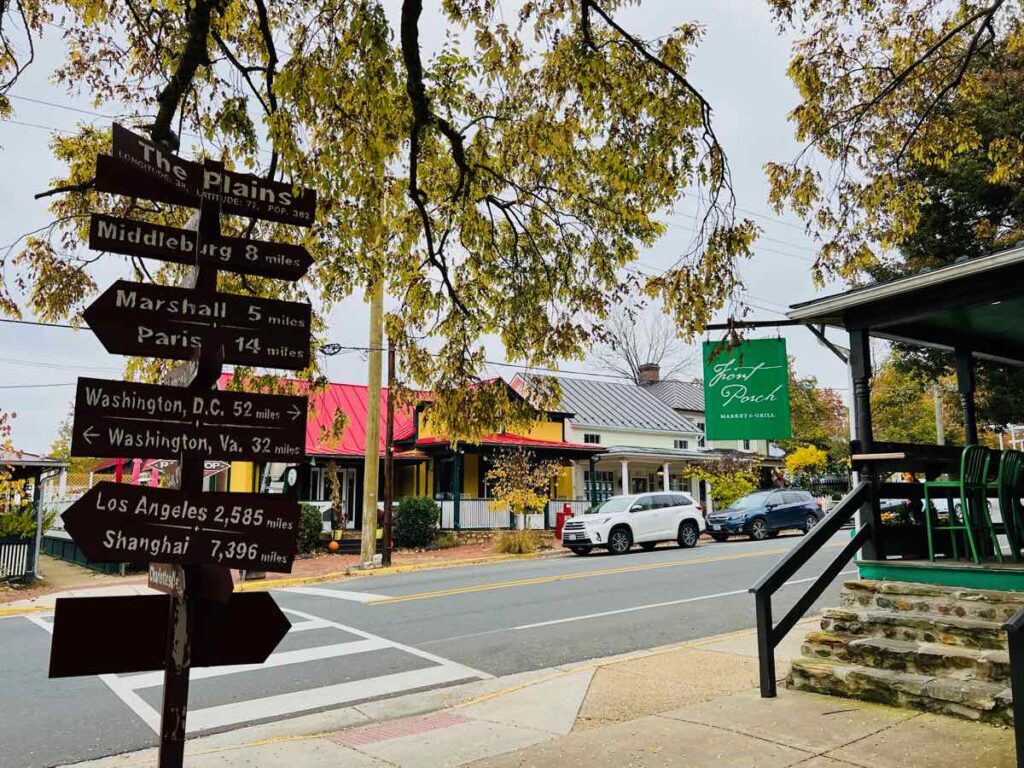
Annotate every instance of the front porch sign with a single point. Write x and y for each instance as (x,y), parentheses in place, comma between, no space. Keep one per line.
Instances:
(746,390)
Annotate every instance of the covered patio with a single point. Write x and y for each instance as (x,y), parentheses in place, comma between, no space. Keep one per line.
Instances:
(971,309)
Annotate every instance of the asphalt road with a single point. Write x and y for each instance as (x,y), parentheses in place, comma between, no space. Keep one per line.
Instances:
(382,636)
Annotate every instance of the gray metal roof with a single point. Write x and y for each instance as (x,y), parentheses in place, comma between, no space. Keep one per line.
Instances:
(618,405)
(681,395)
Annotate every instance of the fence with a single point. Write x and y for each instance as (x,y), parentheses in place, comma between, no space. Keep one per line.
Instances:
(17,557)
(829,485)
(578,506)
(480,515)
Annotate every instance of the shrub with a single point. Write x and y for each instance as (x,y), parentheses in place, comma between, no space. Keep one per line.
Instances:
(311,524)
(415,522)
(521,542)
(446,540)
(19,525)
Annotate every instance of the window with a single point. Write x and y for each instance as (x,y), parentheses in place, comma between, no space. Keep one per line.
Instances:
(701,441)
(679,500)
(746,445)
(645,503)
(591,438)
(682,444)
(604,484)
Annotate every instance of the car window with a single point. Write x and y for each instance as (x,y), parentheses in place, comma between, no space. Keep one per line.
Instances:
(776,499)
(790,498)
(681,500)
(645,502)
(664,500)
(752,500)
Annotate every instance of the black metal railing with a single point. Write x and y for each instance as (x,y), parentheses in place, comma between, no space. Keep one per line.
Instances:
(1015,645)
(769,635)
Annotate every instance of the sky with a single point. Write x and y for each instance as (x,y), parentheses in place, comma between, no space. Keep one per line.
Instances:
(739,66)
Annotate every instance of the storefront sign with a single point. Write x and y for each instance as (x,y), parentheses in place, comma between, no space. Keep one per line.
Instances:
(746,390)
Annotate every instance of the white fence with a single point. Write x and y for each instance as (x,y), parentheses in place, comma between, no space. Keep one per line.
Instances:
(481,515)
(578,506)
(16,557)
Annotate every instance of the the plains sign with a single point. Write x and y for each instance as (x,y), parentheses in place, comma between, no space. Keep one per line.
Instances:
(746,390)
(140,168)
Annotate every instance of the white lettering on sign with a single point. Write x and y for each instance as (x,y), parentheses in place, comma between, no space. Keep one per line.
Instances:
(154,546)
(221,183)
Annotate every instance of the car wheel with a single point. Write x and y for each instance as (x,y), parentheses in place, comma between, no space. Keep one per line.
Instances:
(720,537)
(581,550)
(620,541)
(809,523)
(759,530)
(647,546)
(688,534)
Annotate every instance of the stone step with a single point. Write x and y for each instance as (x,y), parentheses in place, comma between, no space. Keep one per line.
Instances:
(968,699)
(920,627)
(952,662)
(909,597)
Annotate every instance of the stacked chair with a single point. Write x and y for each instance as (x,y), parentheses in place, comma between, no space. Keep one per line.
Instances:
(972,520)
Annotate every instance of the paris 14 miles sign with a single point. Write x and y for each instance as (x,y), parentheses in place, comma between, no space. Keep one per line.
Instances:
(746,390)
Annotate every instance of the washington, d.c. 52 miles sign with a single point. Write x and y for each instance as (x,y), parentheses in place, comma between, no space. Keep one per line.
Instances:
(746,390)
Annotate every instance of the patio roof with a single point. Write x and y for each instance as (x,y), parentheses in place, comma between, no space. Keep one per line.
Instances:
(508,440)
(974,304)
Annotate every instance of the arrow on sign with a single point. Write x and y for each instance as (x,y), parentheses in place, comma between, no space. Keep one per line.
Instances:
(119,635)
(235,254)
(152,421)
(122,523)
(168,322)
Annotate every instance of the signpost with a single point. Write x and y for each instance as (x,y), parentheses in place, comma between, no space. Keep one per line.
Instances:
(190,538)
(746,390)
(114,418)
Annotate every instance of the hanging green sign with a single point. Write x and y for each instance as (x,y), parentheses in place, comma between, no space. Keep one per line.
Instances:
(746,390)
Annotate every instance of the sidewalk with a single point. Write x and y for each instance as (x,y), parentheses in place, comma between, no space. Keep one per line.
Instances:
(693,705)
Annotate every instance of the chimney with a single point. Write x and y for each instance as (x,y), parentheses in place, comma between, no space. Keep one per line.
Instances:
(650,373)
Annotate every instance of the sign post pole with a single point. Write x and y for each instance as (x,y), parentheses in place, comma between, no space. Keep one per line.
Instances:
(174,708)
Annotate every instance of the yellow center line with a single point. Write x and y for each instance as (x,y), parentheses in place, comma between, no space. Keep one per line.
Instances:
(572,576)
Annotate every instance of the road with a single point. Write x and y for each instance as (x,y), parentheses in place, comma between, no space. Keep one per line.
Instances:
(381,636)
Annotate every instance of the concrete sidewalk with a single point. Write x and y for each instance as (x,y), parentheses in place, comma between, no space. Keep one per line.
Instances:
(691,705)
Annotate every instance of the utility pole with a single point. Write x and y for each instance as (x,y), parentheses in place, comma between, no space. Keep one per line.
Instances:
(940,429)
(389,456)
(371,465)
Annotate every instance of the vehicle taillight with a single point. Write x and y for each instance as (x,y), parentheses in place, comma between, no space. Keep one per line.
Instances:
(701,508)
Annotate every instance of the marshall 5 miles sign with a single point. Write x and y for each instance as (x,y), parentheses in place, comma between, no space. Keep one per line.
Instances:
(746,390)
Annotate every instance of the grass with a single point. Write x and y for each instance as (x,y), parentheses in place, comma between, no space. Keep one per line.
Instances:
(523,542)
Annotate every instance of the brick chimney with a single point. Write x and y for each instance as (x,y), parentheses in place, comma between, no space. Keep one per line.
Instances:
(650,373)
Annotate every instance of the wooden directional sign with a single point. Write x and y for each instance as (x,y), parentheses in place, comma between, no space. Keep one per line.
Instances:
(172,323)
(119,635)
(150,421)
(122,523)
(140,168)
(236,254)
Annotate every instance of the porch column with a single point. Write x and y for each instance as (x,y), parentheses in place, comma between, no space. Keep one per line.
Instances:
(456,488)
(965,383)
(664,476)
(592,490)
(860,370)
(625,477)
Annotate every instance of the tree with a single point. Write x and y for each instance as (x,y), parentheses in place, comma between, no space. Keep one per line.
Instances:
(730,477)
(633,337)
(500,187)
(519,482)
(60,448)
(819,418)
(807,459)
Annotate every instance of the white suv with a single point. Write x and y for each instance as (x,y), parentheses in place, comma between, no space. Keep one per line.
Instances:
(645,519)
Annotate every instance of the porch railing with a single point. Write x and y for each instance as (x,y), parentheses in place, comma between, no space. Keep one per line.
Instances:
(17,557)
(482,515)
(769,634)
(1015,644)
(578,506)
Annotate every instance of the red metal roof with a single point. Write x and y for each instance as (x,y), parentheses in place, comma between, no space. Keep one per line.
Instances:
(352,399)
(503,439)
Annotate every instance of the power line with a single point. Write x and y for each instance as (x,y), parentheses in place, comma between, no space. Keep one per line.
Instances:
(35,386)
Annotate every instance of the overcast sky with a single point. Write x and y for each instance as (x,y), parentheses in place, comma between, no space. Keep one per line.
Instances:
(740,67)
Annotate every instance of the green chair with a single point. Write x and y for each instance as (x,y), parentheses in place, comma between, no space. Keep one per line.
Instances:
(973,491)
(1008,484)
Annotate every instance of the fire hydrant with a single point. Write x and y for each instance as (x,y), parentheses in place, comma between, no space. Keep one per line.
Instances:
(560,519)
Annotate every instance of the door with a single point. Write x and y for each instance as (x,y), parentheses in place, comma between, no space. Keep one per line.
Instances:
(643,519)
(663,516)
(775,511)
(794,511)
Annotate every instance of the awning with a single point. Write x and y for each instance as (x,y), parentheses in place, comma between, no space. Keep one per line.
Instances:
(508,440)
(974,304)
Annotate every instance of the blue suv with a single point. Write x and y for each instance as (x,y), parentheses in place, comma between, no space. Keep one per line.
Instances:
(764,514)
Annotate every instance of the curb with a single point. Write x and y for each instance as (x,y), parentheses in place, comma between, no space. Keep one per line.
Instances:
(23,609)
